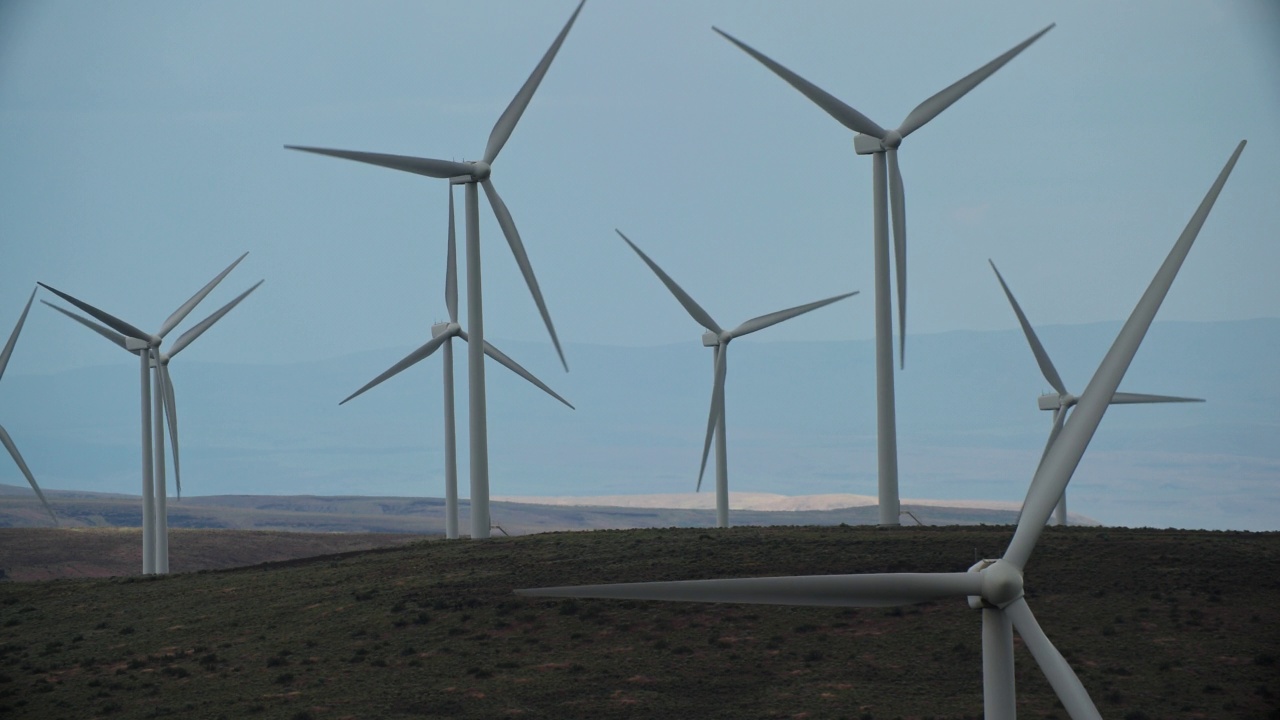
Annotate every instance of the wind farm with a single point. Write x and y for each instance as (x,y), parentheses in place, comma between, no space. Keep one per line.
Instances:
(442,335)
(469,175)
(888,196)
(957,597)
(718,338)
(159,408)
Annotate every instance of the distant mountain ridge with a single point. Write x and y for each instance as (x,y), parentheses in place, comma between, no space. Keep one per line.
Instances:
(801,421)
(359,514)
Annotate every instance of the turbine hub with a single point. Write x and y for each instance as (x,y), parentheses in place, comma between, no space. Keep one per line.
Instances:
(892,139)
(444,328)
(1001,584)
(481,170)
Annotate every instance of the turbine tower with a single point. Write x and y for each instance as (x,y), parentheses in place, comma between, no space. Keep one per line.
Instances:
(155,538)
(718,338)
(994,586)
(442,335)
(471,174)
(888,196)
(4,434)
(1061,401)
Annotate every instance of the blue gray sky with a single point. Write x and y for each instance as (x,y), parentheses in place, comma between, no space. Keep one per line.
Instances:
(142,152)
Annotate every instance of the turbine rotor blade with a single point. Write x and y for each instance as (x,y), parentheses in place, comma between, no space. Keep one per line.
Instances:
(416,165)
(516,368)
(695,310)
(1066,685)
(185,309)
(13,337)
(507,122)
(189,336)
(897,204)
(451,269)
(522,259)
(1060,462)
(171,417)
(409,360)
(107,319)
(717,407)
(26,471)
(999,698)
(929,109)
(773,318)
(1042,358)
(843,114)
(879,590)
(105,332)
(1125,398)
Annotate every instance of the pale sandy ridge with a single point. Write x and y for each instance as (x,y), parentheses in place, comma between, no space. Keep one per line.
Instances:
(750,501)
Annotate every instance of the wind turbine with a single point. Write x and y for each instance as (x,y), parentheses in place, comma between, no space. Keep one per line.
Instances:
(471,174)
(147,346)
(883,145)
(718,338)
(1061,401)
(442,335)
(994,586)
(4,434)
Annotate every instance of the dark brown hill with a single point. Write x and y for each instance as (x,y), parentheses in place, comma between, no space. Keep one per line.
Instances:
(1157,623)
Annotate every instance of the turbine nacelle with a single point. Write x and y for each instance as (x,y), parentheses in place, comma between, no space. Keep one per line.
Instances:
(1001,584)
(445,328)
(864,144)
(480,172)
(712,339)
(1054,401)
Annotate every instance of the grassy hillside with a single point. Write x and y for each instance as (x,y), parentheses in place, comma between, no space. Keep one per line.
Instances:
(1157,624)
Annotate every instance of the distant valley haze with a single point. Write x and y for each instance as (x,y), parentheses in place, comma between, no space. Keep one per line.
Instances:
(801,422)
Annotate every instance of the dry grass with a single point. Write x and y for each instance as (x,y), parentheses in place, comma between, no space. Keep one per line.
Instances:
(1157,624)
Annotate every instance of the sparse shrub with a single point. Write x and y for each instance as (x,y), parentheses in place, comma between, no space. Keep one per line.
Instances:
(1264,659)
(569,607)
(284,678)
(126,630)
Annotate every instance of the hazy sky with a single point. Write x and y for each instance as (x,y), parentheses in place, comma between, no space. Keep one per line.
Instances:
(141,151)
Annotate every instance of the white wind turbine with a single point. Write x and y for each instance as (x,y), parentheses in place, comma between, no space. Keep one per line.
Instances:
(442,335)
(887,195)
(471,174)
(4,434)
(1061,401)
(718,338)
(995,585)
(155,535)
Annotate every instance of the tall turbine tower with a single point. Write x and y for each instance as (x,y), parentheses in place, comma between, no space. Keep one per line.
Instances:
(1062,401)
(994,586)
(4,434)
(718,338)
(147,347)
(471,174)
(883,145)
(442,335)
